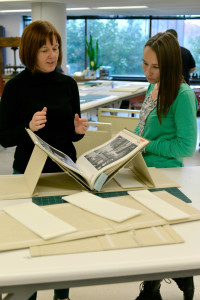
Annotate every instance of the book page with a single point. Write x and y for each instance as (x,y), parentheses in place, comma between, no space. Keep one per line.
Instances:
(111,155)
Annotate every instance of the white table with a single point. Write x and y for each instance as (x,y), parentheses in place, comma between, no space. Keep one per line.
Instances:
(114,98)
(22,275)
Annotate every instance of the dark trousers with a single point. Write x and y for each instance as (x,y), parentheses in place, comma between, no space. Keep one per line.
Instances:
(59,294)
(185,284)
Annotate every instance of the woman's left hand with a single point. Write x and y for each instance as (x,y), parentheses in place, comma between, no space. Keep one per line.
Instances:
(81,125)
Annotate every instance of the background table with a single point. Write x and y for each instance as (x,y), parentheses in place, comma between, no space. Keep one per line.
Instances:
(104,95)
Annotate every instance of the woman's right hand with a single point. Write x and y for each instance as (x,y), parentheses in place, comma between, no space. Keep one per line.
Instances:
(38,120)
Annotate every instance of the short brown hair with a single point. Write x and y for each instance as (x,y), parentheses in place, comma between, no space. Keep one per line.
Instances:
(33,38)
(168,53)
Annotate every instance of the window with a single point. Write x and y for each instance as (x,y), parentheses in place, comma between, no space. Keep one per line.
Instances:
(188,34)
(26,21)
(75,45)
(121,40)
(121,43)
(192,40)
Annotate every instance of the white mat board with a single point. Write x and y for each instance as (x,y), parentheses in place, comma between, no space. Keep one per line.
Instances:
(102,207)
(159,206)
(38,220)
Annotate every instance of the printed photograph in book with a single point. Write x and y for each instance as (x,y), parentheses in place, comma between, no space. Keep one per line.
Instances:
(110,153)
(60,155)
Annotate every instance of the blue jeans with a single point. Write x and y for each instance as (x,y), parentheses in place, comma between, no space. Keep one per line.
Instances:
(60,294)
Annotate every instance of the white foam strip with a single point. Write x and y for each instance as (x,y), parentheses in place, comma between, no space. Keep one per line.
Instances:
(102,207)
(159,206)
(39,220)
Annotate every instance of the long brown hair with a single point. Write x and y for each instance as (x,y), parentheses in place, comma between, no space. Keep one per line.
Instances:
(168,53)
(33,38)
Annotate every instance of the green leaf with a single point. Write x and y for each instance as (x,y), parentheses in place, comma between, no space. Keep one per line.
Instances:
(93,53)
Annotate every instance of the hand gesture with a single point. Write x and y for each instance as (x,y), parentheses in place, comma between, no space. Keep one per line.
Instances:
(81,125)
(38,120)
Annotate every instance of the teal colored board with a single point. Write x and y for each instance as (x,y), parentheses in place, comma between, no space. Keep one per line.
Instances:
(48,200)
(58,199)
(91,97)
(173,190)
(92,83)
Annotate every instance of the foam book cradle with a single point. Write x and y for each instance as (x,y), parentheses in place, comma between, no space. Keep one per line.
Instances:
(102,164)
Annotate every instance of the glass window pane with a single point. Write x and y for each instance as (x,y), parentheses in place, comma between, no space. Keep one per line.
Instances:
(188,34)
(160,25)
(192,40)
(121,43)
(75,45)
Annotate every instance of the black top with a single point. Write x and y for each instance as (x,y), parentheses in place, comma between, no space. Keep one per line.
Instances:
(187,63)
(26,94)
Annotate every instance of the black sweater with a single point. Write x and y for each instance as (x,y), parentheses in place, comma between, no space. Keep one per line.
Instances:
(26,94)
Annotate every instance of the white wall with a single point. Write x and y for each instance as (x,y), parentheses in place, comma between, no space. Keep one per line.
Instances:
(55,13)
(13,28)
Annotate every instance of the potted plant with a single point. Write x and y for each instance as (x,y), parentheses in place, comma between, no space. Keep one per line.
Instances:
(93,55)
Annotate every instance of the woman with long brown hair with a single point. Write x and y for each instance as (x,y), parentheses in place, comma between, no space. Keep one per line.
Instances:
(168,121)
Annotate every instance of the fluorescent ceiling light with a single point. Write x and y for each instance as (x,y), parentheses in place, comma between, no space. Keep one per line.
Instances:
(120,7)
(78,8)
(75,8)
(15,10)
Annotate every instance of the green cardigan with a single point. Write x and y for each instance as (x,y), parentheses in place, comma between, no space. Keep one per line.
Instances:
(176,137)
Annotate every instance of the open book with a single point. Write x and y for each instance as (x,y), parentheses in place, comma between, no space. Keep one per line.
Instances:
(96,167)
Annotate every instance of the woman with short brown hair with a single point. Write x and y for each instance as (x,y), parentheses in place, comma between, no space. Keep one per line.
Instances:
(42,99)
(33,38)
